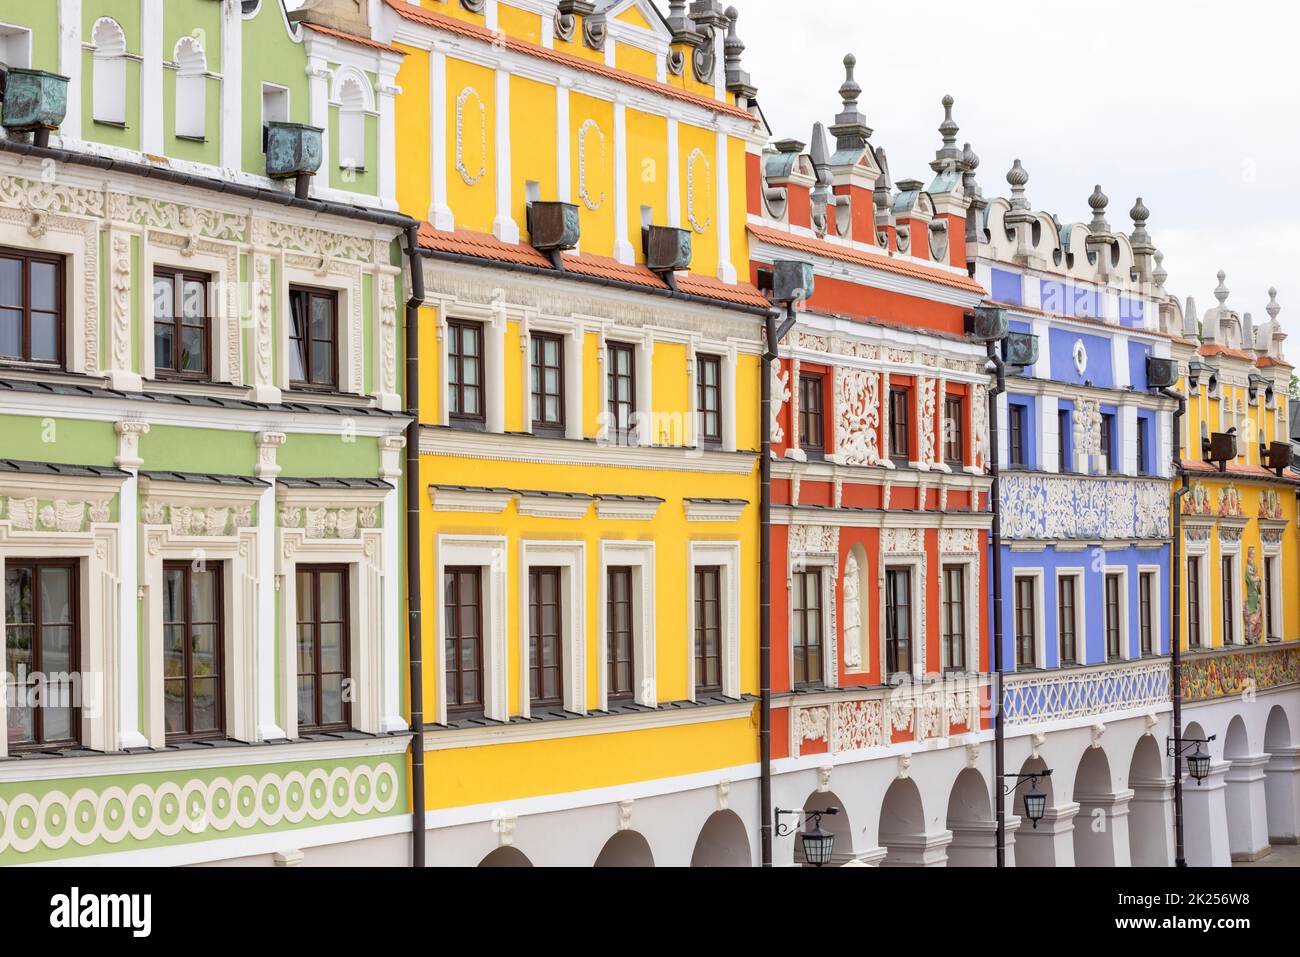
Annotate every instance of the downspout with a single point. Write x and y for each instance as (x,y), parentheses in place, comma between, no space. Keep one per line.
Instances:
(771,345)
(1176,623)
(995,499)
(414,546)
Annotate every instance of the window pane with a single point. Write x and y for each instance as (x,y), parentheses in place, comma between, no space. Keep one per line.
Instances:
(11,333)
(331,699)
(331,596)
(164,346)
(56,596)
(297,333)
(56,649)
(204,650)
(174,651)
(193,349)
(331,648)
(45,337)
(322,363)
(322,319)
(306,649)
(11,282)
(164,298)
(194,297)
(306,699)
(206,711)
(45,286)
(174,706)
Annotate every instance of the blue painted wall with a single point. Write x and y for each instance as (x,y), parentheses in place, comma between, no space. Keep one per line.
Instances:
(1007,287)
(1070,300)
(1137,365)
(1030,404)
(1100,370)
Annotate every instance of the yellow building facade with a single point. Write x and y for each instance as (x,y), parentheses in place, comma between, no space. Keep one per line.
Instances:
(590,429)
(1241,541)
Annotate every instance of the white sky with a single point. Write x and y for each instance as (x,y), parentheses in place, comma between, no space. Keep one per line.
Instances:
(1191,105)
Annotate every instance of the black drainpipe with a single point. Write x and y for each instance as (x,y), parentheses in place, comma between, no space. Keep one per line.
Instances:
(995,499)
(1176,623)
(414,545)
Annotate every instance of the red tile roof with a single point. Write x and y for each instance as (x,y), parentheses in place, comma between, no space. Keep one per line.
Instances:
(1211,349)
(817,247)
(463,242)
(363,41)
(1268,362)
(1234,471)
(472,31)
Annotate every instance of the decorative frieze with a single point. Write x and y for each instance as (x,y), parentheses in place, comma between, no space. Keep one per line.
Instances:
(1231,673)
(1085,692)
(341,523)
(857,405)
(1046,507)
(54,515)
(193,521)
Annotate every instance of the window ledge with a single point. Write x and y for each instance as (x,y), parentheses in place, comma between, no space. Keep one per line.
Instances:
(113,123)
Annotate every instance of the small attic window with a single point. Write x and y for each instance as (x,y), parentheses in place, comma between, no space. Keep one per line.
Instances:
(109,73)
(191,89)
(275,107)
(15,47)
(353,102)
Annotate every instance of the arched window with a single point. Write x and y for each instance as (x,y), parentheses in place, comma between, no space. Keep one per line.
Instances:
(354,101)
(109,76)
(191,89)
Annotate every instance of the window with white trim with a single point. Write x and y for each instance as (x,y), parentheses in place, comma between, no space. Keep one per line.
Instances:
(109,72)
(191,89)
(353,103)
(713,619)
(15,47)
(626,606)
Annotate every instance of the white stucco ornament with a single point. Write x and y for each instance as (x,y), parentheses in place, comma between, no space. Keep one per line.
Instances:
(1080,357)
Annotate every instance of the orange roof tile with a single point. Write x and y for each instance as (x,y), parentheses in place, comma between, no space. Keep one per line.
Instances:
(1211,349)
(463,242)
(471,31)
(1234,471)
(1268,362)
(817,247)
(364,41)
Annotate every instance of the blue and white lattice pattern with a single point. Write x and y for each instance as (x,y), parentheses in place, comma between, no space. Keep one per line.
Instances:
(1085,692)
(1058,507)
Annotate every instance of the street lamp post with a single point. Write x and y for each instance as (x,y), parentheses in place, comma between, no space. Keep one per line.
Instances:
(1198,764)
(1035,800)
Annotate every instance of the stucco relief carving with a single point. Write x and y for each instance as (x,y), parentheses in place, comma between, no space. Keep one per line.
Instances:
(191,221)
(262,318)
(471,178)
(388,321)
(814,540)
(593,203)
(317,243)
(1087,429)
(958,541)
(926,388)
(780,396)
(852,613)
(813,724)
(121,291)
(980,425)
(701,226)
(857,401)
(1047,507)
(58,515)
(859,724)
(902,541)
(322,524)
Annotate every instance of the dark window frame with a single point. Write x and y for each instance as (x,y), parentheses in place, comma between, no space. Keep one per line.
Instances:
(1026,624)
(900,424)
(178,278)
(617,638)
(310,294)
(1143,450)
(1228,572)
(75,724)
(539,639)
(954,618)
(1108,440)
(1146,612)
(1067,613)
(457,363)
(1195,636)
(621,426)
(708,399)
(27,257)
(954,439)
(812,414)
(186,569)
(345,653)
(1113,616)
(1017,414)
(898,622)
(806,620)
(1065,440)
(708,618)
(453,598)
(1269,634)
(538,393)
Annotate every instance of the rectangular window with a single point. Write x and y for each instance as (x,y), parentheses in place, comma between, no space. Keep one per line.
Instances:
(806,637)
(1194,603)
(812,435)
(1146,626)
(182,331)
(1026,623)
(1065,438)
(1068,628)
(193,636)
(545,638)
(622,387)
(1228,601)
(900,425)
(1271,628)
(324,631)
(313,338)
(1143,454)
(954,430)
(620,652)
(42,654)
(898,621)
(1016,415)
(462,590)
(709,398)
(708,629)
(465,373)
(548,383)
(1113,647)
(954,617)
(1108,441)
(31,308)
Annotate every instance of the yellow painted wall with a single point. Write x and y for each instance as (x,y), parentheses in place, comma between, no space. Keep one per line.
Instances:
(533,151)
(413,153)
(576,47)
(699,192)
(647,173)
(474,204)
(519,23)
(454,10)
(636,60)
(597,224)
(736,174)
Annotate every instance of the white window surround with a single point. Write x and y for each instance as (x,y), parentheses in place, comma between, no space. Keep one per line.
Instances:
(640,558)
(725,555)
(1079,574)
(1159,640)
(1126,632)
(109,72)
(494,351)
(643,419)
(1040,629)
(97,552)
(344,279)
(364,557)
(1200,551)
(75,241)
(828,565)
(275,104)
(167,539)
(726,391)
(970,567)
(1231,550)
(487,553)
(191,88)
(573,336)
(15,46)
(571,559)
(916,599)
(221,264)
(1272,553)
(355,99)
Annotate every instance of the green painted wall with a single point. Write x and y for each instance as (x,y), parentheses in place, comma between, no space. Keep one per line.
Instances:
(127,15)
(66,441)
(334,456)
(271,55)
(43,20)
(173,449)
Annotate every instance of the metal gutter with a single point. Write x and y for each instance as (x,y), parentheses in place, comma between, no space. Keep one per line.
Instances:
(414,545)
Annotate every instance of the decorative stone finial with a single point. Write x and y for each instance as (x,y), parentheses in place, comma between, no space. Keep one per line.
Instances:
(850,130)
(738,81)
(948,128)
(1141,239)
(1018,179)
(1247,332)
(1273,307)
(1191,322)
(1098,201)
(1160,274)
(1221,291)
(883,195)
(949,155)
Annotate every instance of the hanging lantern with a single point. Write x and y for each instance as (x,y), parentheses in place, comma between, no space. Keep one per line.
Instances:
(818,845)
(1198,765)
(1035,805)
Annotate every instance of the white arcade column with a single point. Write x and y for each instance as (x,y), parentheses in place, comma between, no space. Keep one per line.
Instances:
(1205,819)
(1247,807)
(1282,788)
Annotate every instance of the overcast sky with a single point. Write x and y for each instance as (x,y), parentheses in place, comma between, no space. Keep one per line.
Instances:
(1192,105)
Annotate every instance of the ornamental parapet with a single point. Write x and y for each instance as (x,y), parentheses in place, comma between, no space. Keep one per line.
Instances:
(1064,507)
(879,717)
(1240,670)
(1085,692)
